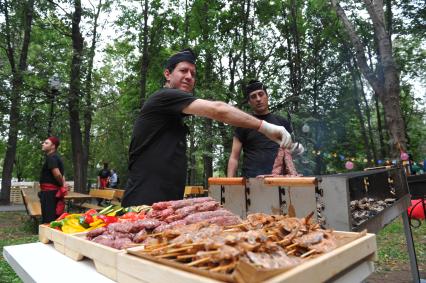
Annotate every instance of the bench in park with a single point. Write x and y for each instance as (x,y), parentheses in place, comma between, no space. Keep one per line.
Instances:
(105,194)
(32,203)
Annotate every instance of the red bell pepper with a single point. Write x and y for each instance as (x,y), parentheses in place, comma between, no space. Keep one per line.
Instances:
(108,219)
(90,212)
(129,215)
(62,216)
(88,218)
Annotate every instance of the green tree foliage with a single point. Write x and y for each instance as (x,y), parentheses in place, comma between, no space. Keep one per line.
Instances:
(298,48)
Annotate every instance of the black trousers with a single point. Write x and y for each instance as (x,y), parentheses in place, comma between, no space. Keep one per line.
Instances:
(48,206)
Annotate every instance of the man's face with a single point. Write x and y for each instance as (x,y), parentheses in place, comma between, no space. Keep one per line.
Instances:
(182,77)
(258,101)
(47,146)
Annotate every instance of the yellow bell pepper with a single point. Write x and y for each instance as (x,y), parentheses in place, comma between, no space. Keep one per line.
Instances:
(96,223)
(72,226)
(95,227)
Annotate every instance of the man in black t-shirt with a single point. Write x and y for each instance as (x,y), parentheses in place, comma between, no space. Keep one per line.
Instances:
(157,152)
(52,182)
(259,152)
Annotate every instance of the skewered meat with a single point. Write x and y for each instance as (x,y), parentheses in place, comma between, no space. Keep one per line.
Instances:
(271,261)
(309,239)
(283,164)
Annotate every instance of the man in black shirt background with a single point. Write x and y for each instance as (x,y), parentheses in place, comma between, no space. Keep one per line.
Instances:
(259,151)
(157,152)
(52,182)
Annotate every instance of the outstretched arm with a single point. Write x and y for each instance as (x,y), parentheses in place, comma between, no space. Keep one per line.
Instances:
(234,157)
(228,114)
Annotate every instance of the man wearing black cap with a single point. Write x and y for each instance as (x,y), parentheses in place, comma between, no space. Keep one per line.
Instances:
(259,152)
(52,182)
(157,153)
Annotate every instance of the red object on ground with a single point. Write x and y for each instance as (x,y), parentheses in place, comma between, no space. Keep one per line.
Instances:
(416,209)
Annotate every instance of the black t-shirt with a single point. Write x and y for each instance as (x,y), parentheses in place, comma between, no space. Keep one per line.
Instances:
(259,152)
(104,173)
(157,153)
(52,161)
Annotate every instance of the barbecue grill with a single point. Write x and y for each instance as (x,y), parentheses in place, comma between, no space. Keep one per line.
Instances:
(336,192)
(328,196)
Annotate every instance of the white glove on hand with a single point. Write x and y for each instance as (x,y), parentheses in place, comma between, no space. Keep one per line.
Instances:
(276,133)
(297,148)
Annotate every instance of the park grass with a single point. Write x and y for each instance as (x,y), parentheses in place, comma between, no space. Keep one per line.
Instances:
(16,228)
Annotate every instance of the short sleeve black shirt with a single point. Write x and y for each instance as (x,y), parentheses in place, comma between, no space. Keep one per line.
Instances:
(52,161)
(104,173)
(157,153)
(259,152)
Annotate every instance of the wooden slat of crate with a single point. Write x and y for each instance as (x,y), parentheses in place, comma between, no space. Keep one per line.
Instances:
(133,269)
(59,239)
(104,258)
(15,195)
(357,248)
(323,268)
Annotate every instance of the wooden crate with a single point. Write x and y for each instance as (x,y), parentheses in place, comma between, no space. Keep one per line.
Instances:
(104,258)
(77,247)
(48,235)
(358,248)
(15,195)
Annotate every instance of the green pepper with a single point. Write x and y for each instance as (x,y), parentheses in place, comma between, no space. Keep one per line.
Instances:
(55,224)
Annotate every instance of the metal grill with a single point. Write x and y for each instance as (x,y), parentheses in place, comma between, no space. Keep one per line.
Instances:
(384,188)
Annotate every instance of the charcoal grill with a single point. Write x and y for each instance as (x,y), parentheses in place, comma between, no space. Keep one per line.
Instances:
(335,192)
(329,196)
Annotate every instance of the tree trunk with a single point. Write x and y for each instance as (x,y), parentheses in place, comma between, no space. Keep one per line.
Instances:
(145,56)
(356,90)
(207,123)
(17,88)
(383,147)
(88,111)
(246,12)
(368,114)
(74,99)
(296,59)
(389,92)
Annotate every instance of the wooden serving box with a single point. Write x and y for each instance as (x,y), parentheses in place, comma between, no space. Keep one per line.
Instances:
(353,249)
(58,238)
(77,247)
(104,258)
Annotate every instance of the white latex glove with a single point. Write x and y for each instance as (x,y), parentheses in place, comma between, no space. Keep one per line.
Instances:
(297,148)
(276,133)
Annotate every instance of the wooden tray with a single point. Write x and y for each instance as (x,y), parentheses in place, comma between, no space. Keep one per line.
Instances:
(58,238)
(104,258)
(353,248)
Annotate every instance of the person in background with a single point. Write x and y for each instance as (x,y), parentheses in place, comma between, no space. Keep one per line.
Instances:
(113,179)
(52,182)
(157,152)
(103,177)
(259,151)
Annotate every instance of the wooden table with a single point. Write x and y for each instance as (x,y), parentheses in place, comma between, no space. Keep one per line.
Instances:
(37,262)
(73,197)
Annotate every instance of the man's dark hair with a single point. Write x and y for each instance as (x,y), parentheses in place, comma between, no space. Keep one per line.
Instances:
(184,55)
(254,85)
